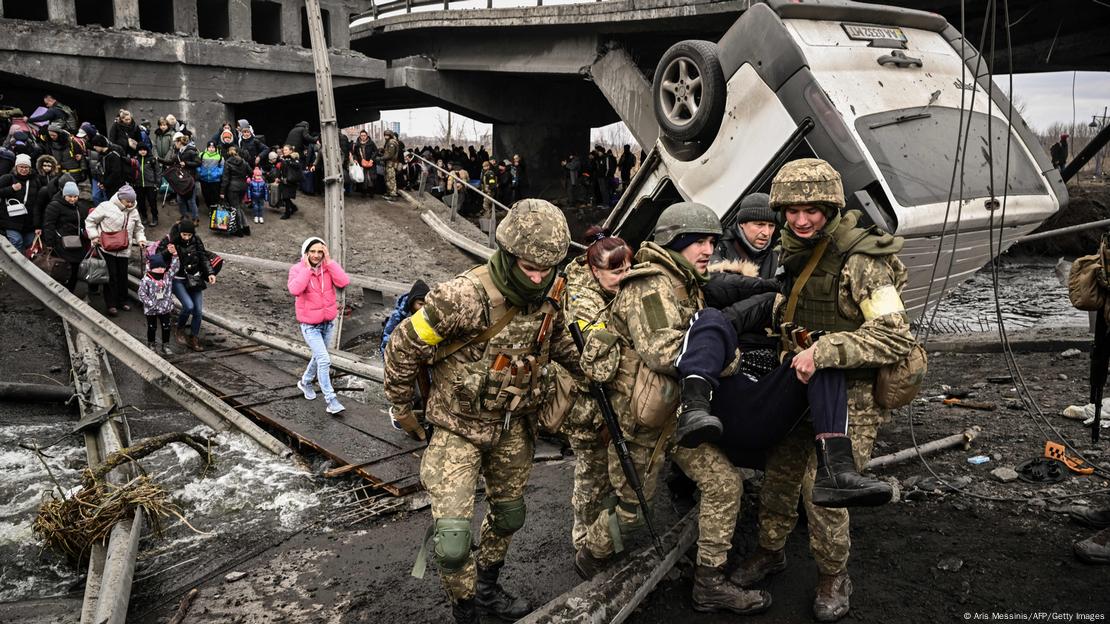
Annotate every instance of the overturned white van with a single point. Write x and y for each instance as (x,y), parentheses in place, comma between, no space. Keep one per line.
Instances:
(888,96)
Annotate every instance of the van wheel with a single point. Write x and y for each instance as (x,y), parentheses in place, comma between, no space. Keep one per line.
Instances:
(689,91)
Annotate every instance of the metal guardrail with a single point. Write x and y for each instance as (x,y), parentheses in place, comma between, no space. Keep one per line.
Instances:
(378,8)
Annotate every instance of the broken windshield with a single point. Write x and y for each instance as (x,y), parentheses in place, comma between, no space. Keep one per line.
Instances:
(915,153)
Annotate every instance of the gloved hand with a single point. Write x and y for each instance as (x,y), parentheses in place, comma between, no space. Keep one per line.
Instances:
(403,419)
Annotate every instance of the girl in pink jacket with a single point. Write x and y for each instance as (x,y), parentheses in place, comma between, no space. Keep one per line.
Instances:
(313,281)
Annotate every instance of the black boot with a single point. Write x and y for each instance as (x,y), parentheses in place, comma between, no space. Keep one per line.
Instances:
(695,424)
(492,599)
(465,612)
(838,484)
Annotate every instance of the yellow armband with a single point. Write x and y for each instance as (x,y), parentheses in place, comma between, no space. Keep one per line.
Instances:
(884,300)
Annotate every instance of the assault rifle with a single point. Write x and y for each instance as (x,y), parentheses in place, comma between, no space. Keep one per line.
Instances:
(597,391)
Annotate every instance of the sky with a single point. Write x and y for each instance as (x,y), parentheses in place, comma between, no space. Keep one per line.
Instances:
(1047,98)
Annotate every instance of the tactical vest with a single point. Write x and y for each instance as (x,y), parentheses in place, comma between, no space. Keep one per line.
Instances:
(489,387)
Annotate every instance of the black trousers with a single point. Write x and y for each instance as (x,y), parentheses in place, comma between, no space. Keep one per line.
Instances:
(147,198)
(758,413)
(153,321)
(115,291)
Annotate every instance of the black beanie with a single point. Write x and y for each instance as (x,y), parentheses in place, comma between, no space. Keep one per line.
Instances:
(99,141)
(755,207)
(418,292)
(187,226)
(685,240)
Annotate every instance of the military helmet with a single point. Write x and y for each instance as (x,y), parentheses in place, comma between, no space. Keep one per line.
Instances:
(807,181)
(535,231)
(685,218)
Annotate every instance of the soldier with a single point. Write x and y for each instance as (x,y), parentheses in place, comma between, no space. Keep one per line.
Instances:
(854,296)
(636,356)
(752,238)
(391,155)
(593,279)
(481,334)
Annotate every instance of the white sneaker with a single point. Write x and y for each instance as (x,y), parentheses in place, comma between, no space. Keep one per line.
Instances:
(261,220)
(256,220)
(307,389)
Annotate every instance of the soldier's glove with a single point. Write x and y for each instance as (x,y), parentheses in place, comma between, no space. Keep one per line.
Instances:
(403,419)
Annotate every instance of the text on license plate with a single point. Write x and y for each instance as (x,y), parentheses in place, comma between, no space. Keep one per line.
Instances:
(868,32)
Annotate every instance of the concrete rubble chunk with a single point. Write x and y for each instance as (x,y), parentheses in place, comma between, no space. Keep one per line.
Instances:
(1005,475)
(950,564)
(1070,353)
(234,576)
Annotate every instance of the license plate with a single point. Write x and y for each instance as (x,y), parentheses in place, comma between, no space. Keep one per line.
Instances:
(868,32)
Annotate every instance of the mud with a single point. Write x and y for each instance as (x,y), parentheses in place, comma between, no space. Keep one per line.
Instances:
(1088,202)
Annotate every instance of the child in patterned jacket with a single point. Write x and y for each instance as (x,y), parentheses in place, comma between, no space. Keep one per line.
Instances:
(156,294)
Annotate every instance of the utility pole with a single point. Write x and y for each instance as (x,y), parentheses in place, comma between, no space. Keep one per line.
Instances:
(329,139)
(1098,122)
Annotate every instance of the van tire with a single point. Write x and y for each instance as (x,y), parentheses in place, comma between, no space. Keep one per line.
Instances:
(674,99)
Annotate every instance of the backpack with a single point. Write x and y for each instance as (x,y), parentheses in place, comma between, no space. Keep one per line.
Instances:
(69,119)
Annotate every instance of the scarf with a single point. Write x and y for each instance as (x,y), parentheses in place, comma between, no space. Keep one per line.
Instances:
(513,283)
(693,276)
(792,245)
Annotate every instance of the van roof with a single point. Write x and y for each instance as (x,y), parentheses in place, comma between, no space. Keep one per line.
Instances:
(848,11)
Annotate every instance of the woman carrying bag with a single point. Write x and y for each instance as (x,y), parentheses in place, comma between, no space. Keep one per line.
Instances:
(194,274)
(112,228)
(62,227)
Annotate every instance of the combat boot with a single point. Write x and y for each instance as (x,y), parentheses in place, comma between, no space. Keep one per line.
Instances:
(831,602)
(492,599)
(761,564)
(1094,518)
(587,565)
(838,484)
(713,592)
(695,424)
(1094,549)
(465,612)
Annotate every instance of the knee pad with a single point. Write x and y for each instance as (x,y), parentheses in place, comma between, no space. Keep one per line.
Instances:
(506,517)
(451,543)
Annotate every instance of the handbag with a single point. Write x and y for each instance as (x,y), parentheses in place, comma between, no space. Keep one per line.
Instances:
(219,221)
(193,282)
(366,163)
(93,269)
(46,261)
(71,242)
(18,208)
(118,240)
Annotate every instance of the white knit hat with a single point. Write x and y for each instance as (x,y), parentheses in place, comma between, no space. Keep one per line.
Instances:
(308,243)
(23,159)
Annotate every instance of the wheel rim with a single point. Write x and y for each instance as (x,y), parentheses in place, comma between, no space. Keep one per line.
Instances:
(680,91)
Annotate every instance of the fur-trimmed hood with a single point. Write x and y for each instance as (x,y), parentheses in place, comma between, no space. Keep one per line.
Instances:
(46,158)
(746,268)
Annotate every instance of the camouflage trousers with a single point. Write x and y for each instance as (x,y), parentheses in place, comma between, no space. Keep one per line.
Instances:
(791,468)
(591,481)
(721,486)
(449,472)
(642,446)
(391,178)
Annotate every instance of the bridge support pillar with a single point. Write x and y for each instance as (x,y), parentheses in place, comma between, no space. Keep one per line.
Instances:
(185,16)
(62,11)
(125,13)
(542,147)
(239,20)
(291,23)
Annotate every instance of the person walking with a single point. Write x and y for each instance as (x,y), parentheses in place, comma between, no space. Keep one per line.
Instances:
(147,183)
(488,323)
(156,295)
(290,175)
(63,227)
(363,152)
(193,275)
(113,226)
(259,191)
(18,198)
(391,156)
(853,294)
(313,281)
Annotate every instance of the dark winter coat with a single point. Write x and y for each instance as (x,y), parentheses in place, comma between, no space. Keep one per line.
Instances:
(119,133)
(236,172)
(27,195)
(733,246)
(364,151)
(65,150)
(62,219)
(290,173)
(150,172)
(251,149)
(163,145)
(192,256)
(299,137)
(116,168)
(746,301)
(189,158)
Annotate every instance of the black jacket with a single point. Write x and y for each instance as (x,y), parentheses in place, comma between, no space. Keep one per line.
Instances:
(26,195)
(364,151)
(62,219)
(192,256)
(299,137)
(732,246)
(150,172)
(746,302)
(117,170)
(119,133)
(236,171)
(251,149)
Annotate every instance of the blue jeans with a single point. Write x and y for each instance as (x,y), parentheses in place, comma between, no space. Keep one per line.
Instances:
(187,204)
(97,194)
(319,367)
(258,206)
(19,240)
(192,303)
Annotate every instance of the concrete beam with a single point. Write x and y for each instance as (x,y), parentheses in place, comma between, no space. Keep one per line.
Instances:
(239,19)
(125,14)
(543,146)
(339,26)
(628,92)
(291,23)
(518,54)
(185,16)
(62,11)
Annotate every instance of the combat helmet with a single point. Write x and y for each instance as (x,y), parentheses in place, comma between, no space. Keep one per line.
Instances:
(807,181)
(535,231)
(685,218)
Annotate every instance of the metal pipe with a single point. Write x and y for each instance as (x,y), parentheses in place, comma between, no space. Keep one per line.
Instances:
(134,354)
(35,393)
(960,439)
(453,237)
(1065,230)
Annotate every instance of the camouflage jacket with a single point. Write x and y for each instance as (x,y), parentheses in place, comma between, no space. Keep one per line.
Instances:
(463,397)
(586,304)
(883,337)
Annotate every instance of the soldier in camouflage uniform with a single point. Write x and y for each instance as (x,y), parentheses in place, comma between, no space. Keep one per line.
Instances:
(593,279)
(480,332)
(854,296)
(391,155)
(636,353)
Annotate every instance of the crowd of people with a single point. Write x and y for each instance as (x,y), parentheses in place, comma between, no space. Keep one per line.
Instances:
(699,365)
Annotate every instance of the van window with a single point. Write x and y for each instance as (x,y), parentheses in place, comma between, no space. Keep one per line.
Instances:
(915,155)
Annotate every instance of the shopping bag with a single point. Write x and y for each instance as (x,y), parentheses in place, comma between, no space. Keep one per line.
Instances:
(93,269)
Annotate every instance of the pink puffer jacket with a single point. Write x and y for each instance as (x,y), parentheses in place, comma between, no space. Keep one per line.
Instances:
(315,290)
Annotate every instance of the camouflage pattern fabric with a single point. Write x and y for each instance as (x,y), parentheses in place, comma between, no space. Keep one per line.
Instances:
(807,181)
(791,468)
(535,230)
(649,320)
(721,486)
(591,484)
(390,178)
(449,472)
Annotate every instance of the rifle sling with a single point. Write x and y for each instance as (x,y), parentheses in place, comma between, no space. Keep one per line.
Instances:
(491,331)
(796,290)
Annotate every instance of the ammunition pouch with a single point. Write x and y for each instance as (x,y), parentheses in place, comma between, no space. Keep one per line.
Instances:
(653,397)
(506,517)
(601,356)
(559,401)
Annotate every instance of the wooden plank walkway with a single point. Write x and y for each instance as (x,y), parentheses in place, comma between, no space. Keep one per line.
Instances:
(257,382)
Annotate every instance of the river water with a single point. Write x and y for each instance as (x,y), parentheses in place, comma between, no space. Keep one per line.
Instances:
(250,498)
